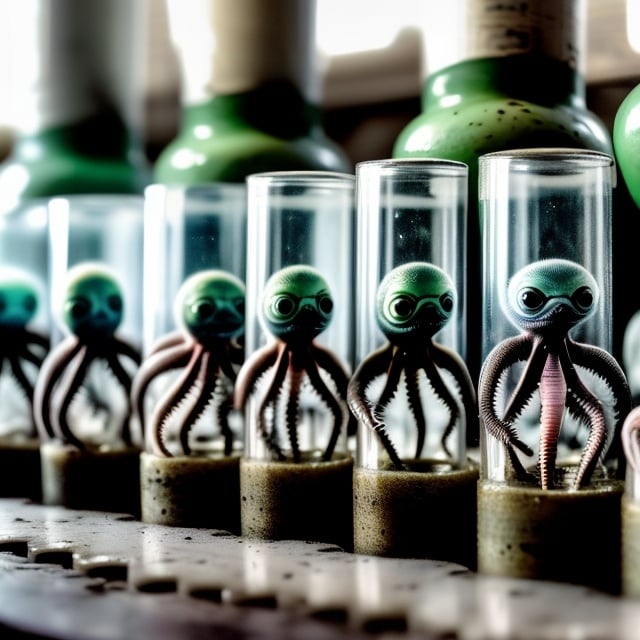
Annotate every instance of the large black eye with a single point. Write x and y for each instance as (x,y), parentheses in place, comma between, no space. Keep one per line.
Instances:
(583,298)
(204,309)
(402,307)
(531,299)
(283,307)
(239,305)
(115,303)
(78,308)
(325,304)
(446,302)
(30,303)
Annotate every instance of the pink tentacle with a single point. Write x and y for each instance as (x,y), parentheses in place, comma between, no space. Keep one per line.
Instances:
(553,393)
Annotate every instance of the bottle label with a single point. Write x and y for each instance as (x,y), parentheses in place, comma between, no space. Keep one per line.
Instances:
(502,28)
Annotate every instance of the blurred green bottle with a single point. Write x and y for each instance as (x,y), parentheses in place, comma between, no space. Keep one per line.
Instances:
(511,78)
(77,98)
(250,92)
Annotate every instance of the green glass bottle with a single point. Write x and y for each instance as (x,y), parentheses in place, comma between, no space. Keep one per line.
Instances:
(249,94)
(513,80)
(77,127)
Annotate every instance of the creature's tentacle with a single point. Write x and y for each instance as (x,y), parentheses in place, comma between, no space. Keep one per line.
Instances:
(273,392)
(374,365)
(294,376)
(253,368)
(32,338)
(124,378)
(24,383)
(335,404)
(205,380)
(605,366)
(126,349)
(415,406)
(529,380)
(52,368)
(226,361)
(630,436)
(585,404)
(175,357)
(553,392)
(503,356)
(170,401)
(327,360)
(449,360)
(67,393)
(167,341)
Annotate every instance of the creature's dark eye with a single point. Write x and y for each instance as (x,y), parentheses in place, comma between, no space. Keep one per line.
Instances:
(78,308)
(446,302)
(30,303)
(325,304)
(283,306)
(204,309)
(115,303)
(239,305)
(402,307)
(583,298)
(531,299)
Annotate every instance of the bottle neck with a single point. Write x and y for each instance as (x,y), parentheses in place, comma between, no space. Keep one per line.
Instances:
(234,47)
(276,108)
(537,28)
(533,77)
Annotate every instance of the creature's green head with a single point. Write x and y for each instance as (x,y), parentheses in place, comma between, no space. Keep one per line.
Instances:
(297,304)
(552,294)
(210,305)
(93,304)
(18,298)
(415,300)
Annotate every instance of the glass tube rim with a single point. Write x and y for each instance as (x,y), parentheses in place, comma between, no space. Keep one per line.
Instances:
(544,156)
(300,177)
(417,166)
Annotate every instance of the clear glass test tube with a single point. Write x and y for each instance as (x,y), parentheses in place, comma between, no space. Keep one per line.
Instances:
(411,390)
(411,218)
(538,205)
(551,397)
(187,230)
(300,301)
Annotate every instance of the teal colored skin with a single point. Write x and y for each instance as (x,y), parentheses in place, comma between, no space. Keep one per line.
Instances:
(209,310)
(19,345)
(92,310)
(297,306)
(95,156)
(233,136)
(546,300)
(414,301)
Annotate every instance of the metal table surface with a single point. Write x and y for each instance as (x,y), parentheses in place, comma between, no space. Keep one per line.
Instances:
(81,575)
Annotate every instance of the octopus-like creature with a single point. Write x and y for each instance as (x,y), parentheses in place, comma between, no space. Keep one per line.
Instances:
(546,300)
(209,309)
(297,306)
(414,301)
(92,311)
(22,350)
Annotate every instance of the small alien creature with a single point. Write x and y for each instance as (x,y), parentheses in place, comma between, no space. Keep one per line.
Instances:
(546,300)
(22,350)
(209,309)
(92,311)
(414,301)
(296,307)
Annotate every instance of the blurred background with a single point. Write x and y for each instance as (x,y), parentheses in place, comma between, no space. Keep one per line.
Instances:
(372,69)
